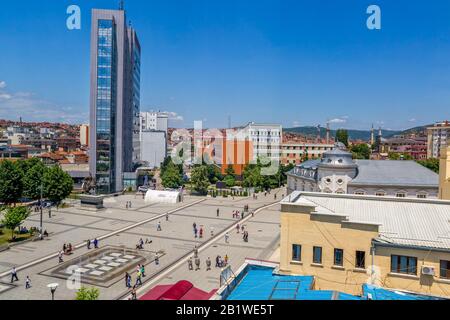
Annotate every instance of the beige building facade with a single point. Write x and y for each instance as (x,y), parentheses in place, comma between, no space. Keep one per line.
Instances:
(345,241)
(444,175)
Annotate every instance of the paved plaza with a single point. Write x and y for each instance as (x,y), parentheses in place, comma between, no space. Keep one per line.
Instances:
(120,230)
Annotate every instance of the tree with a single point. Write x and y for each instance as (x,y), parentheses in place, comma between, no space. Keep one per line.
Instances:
(230,177)
(360,151)
(214,173)
(14,217)
(252,176)
(399,156)
(87,294)
(432,164)
(33,180)
(172,178)
(200,180)
(57,184)
(342,136)
(11,185)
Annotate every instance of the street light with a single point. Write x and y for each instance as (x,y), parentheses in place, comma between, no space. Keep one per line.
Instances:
(53,287)
(42,191)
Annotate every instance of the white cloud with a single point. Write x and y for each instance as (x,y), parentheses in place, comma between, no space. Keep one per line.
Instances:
(296,123)
(338,120)
(412,120)
(173,116)
(31,108)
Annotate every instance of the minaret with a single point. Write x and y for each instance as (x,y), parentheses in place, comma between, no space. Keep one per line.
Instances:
(328,132)
(372,136)
(318,133)
(121,5)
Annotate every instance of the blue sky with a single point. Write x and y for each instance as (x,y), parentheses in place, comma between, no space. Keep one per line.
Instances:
(289,61)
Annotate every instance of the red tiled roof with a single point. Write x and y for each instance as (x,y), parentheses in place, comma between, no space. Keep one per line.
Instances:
(183,290)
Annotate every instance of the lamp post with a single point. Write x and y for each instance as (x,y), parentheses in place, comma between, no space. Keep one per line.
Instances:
(53,287)
(40,202)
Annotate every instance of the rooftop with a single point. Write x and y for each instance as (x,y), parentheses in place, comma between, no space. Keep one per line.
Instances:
(420,223)
(394,173)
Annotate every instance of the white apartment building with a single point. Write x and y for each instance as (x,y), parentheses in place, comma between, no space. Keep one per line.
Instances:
(266,140)
(438,136)
(158,121)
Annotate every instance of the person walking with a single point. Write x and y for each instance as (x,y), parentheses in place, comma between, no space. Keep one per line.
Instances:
(217,261)
(139,278)
(127,280)
(60,257)
(143,271)
(50,212)
(88,244)
(133,293)
(226,260)
(227,237)
(159,228)
(238,228)
(167,217)
(196,233)
(195,252)
(157,260)
(14,275)
(190,264)
(96,243)
(27,283)
(197,264)
(212,231)
(218,212)
(201,232)
(208,264)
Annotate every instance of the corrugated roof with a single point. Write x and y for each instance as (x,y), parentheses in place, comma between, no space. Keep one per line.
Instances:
(394,173)
(406,222)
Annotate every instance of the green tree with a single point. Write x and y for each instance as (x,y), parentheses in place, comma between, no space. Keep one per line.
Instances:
(57,184)
(342,136)
(200,180)
(172,178)
(230,177)
(252,176)
(432,164)
(87,294)
(33,180)
(14,217)
(360,151)
(399,156)
(11,182)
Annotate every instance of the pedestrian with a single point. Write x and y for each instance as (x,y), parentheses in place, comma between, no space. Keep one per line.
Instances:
(197,264)
(127,280)
(27,283)
(212,231)
(243,228)
(126,206)
(50,212)
(242,215)
(88,243)
(131,204)
(133,293)
(159,228)
(208,264)
(143,271)
(218,212)
(167,217)
(190,264)
(201,232)
(196,233)
(227,237)
(96,243)
(238,228)
(64,248)
(195,252)
(14,275)
(226,260)
(60,257)
(157,260)
(138,278)
(217,261)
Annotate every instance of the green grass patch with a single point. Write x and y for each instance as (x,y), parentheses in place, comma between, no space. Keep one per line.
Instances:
(5,236)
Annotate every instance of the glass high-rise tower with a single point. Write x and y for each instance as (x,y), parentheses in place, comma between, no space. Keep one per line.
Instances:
(115,99)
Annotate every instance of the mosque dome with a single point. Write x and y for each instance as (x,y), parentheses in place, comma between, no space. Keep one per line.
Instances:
(338,157)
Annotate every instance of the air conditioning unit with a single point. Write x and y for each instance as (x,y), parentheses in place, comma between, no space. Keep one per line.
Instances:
(428,271)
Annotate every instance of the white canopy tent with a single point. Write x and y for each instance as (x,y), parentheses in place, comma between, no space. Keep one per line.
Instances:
(157,196)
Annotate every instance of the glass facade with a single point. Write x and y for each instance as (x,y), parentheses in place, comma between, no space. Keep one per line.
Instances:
(106,107)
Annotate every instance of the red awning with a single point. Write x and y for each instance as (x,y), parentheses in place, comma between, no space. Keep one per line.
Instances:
(183,290)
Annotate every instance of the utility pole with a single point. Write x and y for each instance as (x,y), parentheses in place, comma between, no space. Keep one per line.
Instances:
(40,203)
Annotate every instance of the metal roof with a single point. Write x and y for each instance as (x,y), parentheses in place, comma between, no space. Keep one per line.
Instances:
(394,173)
(419,223)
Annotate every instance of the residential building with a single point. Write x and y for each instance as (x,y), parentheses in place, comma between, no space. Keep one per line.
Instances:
(337,172)
(158,121)
(444,175)
(296,153)
(84,135)
(438,136)
(153,147)
(345,241)
(266,140)
(416,148)
(114,102)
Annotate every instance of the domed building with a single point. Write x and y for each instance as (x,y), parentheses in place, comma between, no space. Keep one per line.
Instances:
(337,172)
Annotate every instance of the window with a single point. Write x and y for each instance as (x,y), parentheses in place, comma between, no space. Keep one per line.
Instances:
(296,252)
(317,255)
(403,264)
(338,257)
(360,193)
(380,194)
(445,269)
(401,195)
(360,260)
(422,196)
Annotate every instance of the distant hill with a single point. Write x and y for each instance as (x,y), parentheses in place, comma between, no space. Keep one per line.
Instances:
(353,134)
